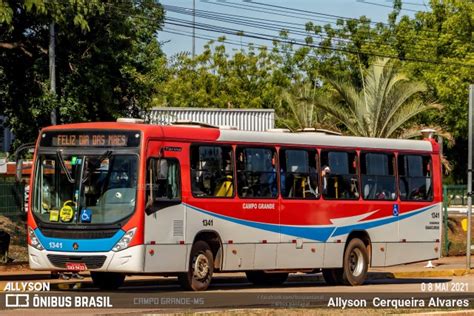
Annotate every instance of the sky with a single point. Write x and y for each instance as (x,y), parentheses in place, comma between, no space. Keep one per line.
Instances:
(261,19)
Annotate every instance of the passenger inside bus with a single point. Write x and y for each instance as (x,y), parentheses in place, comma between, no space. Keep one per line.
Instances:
(256,171)
(342,181)
(212,171)
(298,175)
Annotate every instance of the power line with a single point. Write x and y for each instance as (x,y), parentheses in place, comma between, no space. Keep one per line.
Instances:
(255,35)
(231,31)
(210,38)
(241,44)
(299,11)
(260,36)
(278,26)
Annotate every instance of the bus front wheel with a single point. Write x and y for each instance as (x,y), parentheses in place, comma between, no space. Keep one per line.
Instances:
(201,267)
(356,263)
(107,280)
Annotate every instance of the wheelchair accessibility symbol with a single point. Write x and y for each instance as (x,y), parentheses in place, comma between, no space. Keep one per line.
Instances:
(395,210)
(86,216)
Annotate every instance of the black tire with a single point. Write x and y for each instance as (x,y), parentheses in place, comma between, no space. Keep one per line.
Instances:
(107,280)
(355,263)
(201,267)
(264,278)
(333,276)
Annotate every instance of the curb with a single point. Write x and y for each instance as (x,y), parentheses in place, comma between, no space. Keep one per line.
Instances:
(430,273)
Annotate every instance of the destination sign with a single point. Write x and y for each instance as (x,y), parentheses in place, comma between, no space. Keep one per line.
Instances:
(90,139)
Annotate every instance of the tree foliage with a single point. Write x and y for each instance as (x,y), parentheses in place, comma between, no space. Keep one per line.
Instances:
(383,107)
(109,63)
(217,79)
(107,57)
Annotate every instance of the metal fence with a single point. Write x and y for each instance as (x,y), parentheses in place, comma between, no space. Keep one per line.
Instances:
(242,119)
(454,201)
(455,195)
(11,198)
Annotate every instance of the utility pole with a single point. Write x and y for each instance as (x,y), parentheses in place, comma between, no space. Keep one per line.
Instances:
(194,28)
(52,69)
(469,178)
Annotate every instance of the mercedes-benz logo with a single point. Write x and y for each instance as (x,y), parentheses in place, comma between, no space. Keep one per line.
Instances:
(75,246)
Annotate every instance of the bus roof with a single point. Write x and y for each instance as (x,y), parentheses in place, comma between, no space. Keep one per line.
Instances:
(237,136)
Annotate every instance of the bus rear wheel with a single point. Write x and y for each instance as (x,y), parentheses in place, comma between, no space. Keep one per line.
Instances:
(355,263)
(201,267)
(107,280)
(333,276)
(265,278)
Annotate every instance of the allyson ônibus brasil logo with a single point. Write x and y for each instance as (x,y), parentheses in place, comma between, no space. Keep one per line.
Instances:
(38,294)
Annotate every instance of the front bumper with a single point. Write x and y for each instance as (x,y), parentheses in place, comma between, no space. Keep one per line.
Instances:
(130,260)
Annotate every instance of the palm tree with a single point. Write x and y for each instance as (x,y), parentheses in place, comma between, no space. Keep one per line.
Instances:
(298,110)
(383,107)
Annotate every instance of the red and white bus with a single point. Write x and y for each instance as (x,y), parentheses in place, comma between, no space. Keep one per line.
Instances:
(123,198)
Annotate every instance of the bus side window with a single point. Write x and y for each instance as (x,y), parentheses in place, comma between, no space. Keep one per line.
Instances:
(378,177)
(298,174)
(256,172)
(163,181)
(212,171)
(415,180)
(339,177)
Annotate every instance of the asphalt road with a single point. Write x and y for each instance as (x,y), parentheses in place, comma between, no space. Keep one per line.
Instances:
(163,295)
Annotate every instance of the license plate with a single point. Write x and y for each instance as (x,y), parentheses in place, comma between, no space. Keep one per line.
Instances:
(76,266)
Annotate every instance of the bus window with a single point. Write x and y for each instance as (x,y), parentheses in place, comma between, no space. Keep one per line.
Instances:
(339,175)
(415,181)
(212,171)
(163,181)
(378,177)
(256,172)
(298,176)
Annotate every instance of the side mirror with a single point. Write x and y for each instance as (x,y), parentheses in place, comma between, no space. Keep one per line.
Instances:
(29,148)
(19,170)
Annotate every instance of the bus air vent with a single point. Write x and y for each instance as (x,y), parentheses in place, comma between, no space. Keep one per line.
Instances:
(178,228)
(78,234)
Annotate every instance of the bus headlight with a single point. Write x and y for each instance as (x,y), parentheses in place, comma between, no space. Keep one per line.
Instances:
(34,241)
(125,240)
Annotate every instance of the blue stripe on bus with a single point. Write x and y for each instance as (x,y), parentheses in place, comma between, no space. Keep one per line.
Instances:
(314,233)
(367,225)
(322,233)
(85,245)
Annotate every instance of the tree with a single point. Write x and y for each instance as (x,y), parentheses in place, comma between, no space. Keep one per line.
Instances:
(215,78)
(436,48)
(107,60)
(384,106)
(298,109)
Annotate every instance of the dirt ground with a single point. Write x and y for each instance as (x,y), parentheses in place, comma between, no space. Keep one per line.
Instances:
(457,236)
(17,230)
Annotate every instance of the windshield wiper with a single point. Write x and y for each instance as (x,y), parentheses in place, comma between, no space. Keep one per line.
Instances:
(63,166)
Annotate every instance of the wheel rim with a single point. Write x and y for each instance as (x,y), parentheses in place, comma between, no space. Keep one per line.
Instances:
(201,267)
(356,262)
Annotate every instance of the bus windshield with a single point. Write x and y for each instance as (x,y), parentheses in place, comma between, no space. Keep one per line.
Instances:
(85,189)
